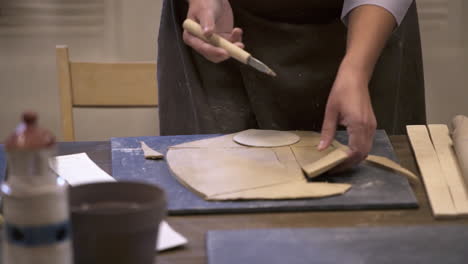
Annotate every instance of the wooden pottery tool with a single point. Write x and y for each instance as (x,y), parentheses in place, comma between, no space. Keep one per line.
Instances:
(234,51)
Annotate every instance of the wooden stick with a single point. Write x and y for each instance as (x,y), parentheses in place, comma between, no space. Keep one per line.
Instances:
(436,187)
(65,88)
(443,146)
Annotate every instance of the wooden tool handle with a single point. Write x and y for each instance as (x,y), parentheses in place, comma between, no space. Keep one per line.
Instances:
(234,51)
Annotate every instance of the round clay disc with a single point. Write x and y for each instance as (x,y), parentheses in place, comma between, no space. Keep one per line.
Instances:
(266,138)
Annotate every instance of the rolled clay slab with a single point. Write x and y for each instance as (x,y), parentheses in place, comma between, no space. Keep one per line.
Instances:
(266,138)
(221,169)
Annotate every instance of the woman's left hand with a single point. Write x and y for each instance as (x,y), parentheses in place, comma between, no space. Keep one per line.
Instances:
(349,105)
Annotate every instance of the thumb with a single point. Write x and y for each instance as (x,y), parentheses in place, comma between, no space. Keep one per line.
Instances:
(207,22)
(328,128)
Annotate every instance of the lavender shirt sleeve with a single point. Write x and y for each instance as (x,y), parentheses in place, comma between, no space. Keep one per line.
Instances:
(398,8)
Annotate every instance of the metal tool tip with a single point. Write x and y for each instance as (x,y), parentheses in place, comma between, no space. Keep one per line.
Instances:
(260,66)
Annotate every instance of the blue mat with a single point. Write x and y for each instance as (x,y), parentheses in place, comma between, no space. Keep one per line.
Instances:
(373,188)
(366,245)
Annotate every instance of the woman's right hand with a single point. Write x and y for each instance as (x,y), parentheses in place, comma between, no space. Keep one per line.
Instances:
(214,16)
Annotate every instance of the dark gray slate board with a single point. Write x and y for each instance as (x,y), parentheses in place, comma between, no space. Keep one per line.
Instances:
(2,163)
(373,188)
(371,245)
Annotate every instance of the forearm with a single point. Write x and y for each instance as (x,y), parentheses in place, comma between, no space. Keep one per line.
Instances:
(369,28)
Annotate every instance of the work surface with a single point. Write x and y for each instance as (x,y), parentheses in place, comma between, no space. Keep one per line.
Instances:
(372,187)
(195,227)
(350,245)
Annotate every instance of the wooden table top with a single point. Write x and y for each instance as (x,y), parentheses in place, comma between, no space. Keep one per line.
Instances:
(195,227)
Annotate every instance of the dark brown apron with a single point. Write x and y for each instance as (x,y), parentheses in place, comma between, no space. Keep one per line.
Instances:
(303,42)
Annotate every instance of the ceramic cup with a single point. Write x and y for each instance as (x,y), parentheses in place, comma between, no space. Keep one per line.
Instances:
(116,222)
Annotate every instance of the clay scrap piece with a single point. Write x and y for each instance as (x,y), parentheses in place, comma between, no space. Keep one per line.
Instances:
(150,153)
(314,164)
(390,164)
(266,138)
(325,163)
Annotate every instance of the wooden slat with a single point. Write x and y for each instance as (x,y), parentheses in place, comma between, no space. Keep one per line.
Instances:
(444,148)
(436,187)
(114,84)
(64,83)
(460,138)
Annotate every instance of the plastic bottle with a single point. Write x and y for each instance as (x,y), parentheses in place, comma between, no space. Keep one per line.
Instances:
(35,201)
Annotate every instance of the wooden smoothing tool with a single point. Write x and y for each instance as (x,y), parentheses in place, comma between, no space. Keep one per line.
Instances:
(234,51)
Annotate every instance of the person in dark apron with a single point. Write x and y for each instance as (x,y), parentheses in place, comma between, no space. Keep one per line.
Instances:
(355,63)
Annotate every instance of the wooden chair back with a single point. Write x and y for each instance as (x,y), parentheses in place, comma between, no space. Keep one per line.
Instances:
(95,84)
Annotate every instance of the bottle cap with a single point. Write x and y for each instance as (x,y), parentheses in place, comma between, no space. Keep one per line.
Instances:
(29,136)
